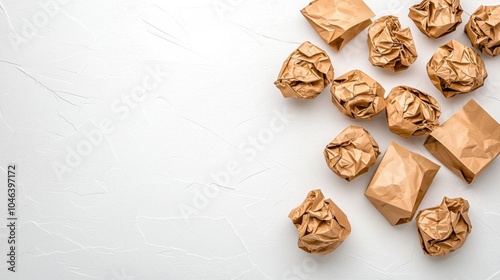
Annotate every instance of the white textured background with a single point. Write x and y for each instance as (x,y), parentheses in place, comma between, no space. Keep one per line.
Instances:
(195,179)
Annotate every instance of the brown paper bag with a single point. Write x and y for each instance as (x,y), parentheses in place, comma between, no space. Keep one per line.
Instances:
(400,183)
(467,142)
(338,21)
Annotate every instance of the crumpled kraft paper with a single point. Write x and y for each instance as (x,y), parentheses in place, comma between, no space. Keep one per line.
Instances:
(444,229)
(390,46)
(322,226)
(338,21)
(456,69)
(351,153)
(411,112)
(483,29)
(305,73)
(357,95)
(467,142)
(400,183)
(436,18)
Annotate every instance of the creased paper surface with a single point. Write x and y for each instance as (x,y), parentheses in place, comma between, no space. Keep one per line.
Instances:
(351,153)
(444,229)
(436,18)
(338,21)
(411,111)
(358,95)
(400,183)
(305,73)
(483,29)
(456,69)
(390,46)
(467,142)
(322,226)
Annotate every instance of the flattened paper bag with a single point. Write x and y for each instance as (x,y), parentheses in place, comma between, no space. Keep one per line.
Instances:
(467,142)
(400,183)
(338,21)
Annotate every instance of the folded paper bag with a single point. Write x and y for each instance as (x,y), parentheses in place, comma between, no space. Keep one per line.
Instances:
(338,21)
(322,226)
(444,229)
(305,73)
(467,142)
(400,183)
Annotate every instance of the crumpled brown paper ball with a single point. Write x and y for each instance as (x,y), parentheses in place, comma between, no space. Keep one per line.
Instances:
(444,229)
(436,18)
(411,111)
(357,95)
(305,73)
(322,226)
(456,69)
(390,46)
(483,29)
(351,153)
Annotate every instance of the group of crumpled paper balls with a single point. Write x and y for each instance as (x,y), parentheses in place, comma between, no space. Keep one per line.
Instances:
(403,177)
